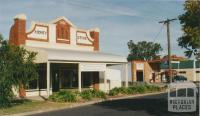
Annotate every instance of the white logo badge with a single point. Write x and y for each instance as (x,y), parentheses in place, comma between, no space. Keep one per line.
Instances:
(182,97)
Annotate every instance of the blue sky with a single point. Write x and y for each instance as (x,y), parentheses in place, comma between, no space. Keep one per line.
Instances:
(118,20)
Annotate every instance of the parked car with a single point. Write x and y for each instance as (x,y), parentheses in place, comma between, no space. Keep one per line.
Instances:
(179,78)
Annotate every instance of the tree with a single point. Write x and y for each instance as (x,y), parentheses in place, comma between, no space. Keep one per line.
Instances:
(143,50)
(16,68)
(190,22)
(1,38)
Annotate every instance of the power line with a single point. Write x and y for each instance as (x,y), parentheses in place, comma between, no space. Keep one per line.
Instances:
(158,33)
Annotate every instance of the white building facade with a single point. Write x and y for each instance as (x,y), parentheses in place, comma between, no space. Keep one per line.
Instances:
(68,57)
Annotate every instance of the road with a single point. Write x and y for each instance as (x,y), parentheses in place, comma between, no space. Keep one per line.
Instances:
(152,105)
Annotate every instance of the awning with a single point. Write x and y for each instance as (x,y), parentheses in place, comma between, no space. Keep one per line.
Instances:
(47,54)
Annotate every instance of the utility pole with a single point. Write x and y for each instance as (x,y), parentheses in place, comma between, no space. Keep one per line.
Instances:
(167,22)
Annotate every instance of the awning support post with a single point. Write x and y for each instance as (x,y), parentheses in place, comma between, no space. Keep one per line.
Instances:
(126,75)
(48,78)
(79,78)
(105,81)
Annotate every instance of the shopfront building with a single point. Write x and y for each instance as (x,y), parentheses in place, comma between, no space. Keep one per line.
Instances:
(68,57)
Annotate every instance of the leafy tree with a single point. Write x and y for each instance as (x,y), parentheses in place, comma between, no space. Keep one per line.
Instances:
(16,68)
(1,38)
(143,50)
(190,22)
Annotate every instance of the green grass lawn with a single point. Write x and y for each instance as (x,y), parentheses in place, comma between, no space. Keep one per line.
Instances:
(27,106)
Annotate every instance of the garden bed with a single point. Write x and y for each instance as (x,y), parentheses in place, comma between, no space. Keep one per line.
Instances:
(88,95)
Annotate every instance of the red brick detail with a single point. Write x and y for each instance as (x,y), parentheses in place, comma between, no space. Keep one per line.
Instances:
(18,32)
(95,36)
(63,32)
(22,91)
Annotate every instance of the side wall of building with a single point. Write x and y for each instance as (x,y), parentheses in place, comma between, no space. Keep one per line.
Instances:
(141,66)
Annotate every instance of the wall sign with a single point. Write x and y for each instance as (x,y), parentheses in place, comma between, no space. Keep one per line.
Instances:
(139,66)
(39,32)
(92,67)
(82,38)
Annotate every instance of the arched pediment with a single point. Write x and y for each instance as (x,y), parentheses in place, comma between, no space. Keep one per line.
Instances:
(62,20)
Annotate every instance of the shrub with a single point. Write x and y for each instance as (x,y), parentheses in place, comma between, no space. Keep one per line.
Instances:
(153,88)
(63,96)
(6,95)
(99,94)
(89,94)
(123,90)
(120,90)
(140,89)
(68,96)
(133,89)
(115,91)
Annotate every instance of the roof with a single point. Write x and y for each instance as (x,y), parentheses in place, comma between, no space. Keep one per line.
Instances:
(165,58)
(186,64)
(63,18)
(76,56)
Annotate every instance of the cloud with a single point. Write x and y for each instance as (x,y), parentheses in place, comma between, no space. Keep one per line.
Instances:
(119,20)
(103,7)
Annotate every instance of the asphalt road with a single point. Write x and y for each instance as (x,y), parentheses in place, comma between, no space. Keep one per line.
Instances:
(153,105)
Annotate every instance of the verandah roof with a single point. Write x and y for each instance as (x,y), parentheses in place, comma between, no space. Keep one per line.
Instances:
(47,54)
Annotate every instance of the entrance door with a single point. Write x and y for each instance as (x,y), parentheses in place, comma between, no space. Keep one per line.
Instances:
(55,81)
(96,81)
(139,75)
(90,79)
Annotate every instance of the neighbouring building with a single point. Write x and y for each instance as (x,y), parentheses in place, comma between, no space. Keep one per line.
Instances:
(145,71)
(68,57)
(188,68)
(141,71)
(157,70)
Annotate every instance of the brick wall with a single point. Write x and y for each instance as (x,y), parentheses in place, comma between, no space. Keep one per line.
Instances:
(95,36)
(18,32)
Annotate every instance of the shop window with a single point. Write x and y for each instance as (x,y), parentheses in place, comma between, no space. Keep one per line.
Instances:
(86,79)
(42,79)
(68,79)
(33,84)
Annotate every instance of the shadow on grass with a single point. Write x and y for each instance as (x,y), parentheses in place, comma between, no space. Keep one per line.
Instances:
(15,102)
(19,102)
(153,105)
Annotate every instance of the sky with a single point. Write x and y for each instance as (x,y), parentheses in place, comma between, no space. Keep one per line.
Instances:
(119,20)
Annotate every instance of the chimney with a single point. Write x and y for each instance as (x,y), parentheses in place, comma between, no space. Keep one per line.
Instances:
(95,35)
(18,30)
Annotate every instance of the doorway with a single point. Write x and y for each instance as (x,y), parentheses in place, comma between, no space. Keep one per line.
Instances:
(55,81)
(139,76)
(90,80)
(64,76)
